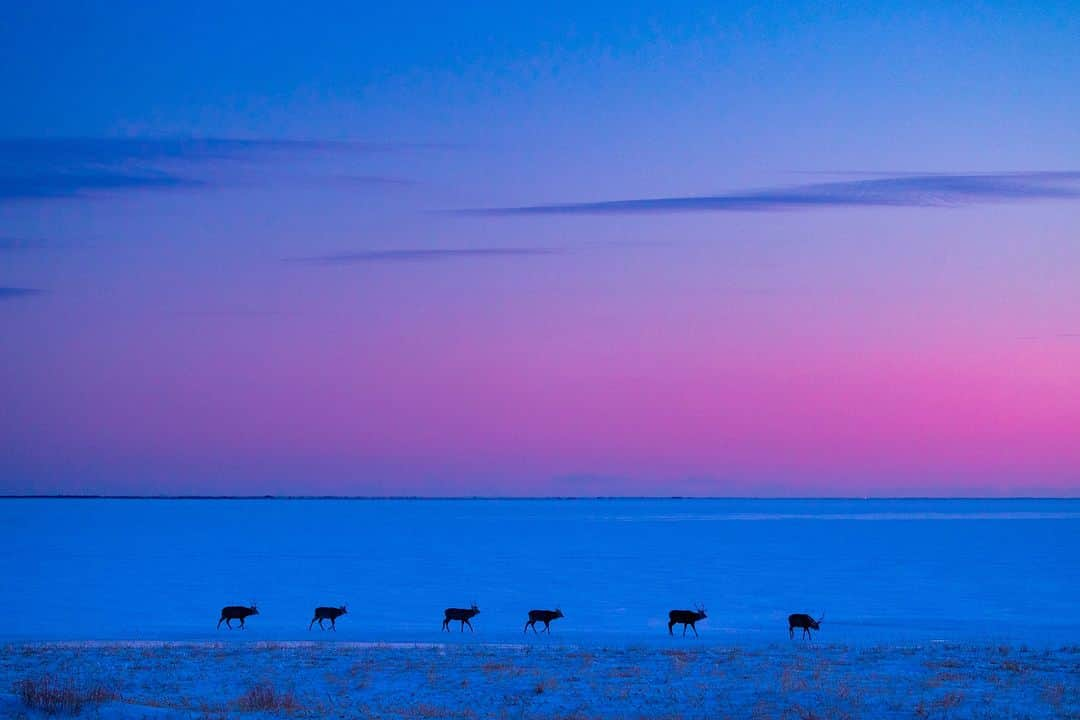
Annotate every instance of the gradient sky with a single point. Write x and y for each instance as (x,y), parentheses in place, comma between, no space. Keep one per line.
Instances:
(771,249)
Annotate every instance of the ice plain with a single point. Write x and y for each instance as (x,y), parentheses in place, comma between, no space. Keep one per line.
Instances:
(934,608)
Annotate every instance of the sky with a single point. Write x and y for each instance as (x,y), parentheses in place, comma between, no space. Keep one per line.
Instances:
(788,249)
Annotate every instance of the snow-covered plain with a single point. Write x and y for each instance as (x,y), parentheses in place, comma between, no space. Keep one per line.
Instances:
(203,681)
(934,608)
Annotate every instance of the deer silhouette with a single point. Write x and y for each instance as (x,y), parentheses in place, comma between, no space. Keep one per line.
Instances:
(804,621)
(544,616)
(328,613)
(686,618)
(461,615)
(236,612)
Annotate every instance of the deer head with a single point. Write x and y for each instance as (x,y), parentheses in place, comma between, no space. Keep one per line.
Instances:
(344,610)
(558,613)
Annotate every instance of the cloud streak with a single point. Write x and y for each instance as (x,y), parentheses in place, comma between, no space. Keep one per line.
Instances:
(16,293)
(924,190)
(37,168)
(373,180)
(67,184)
(15,244)
(422,255)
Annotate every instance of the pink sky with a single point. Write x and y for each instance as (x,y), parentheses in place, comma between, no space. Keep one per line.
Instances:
(547,251)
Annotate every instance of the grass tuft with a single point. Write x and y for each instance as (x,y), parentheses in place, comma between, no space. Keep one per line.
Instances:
(266,698)
(52,697)
(544,685)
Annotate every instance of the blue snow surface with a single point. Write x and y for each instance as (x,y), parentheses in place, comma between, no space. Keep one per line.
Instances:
(882,571)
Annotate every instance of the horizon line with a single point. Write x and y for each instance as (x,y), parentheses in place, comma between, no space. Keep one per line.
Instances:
(95,496)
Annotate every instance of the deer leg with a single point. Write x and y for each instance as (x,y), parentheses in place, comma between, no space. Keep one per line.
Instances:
(684,626)
(547,627)
(219,623)
(671,624)
(470,627)
(333,624)
(310,624)
(446,625)
(694,628)
(791,632)
(228,623)
(243,626)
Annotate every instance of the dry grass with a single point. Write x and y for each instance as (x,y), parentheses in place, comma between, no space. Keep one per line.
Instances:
(507,668)
(429,711)
(424,710)
(265,697)
(949,701)
(497,667)
(587,659)
(1054,695)
(792,679)
(52,697)
(544,685)
(507,683)
(625,671)
(1012,666)
(945,678)
(680,659)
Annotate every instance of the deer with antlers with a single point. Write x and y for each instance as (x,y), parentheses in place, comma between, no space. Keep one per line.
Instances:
(462,615)
(804,621)
(686,618)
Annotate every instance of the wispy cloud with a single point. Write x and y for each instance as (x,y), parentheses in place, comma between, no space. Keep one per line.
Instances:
(926,190)
(422,255)
(16,244)
(15,293)
(1056,336)
(373,180)
(55,168)
(68,184)
(230,313)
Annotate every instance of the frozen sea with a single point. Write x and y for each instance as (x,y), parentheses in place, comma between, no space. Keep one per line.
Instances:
(882,571)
